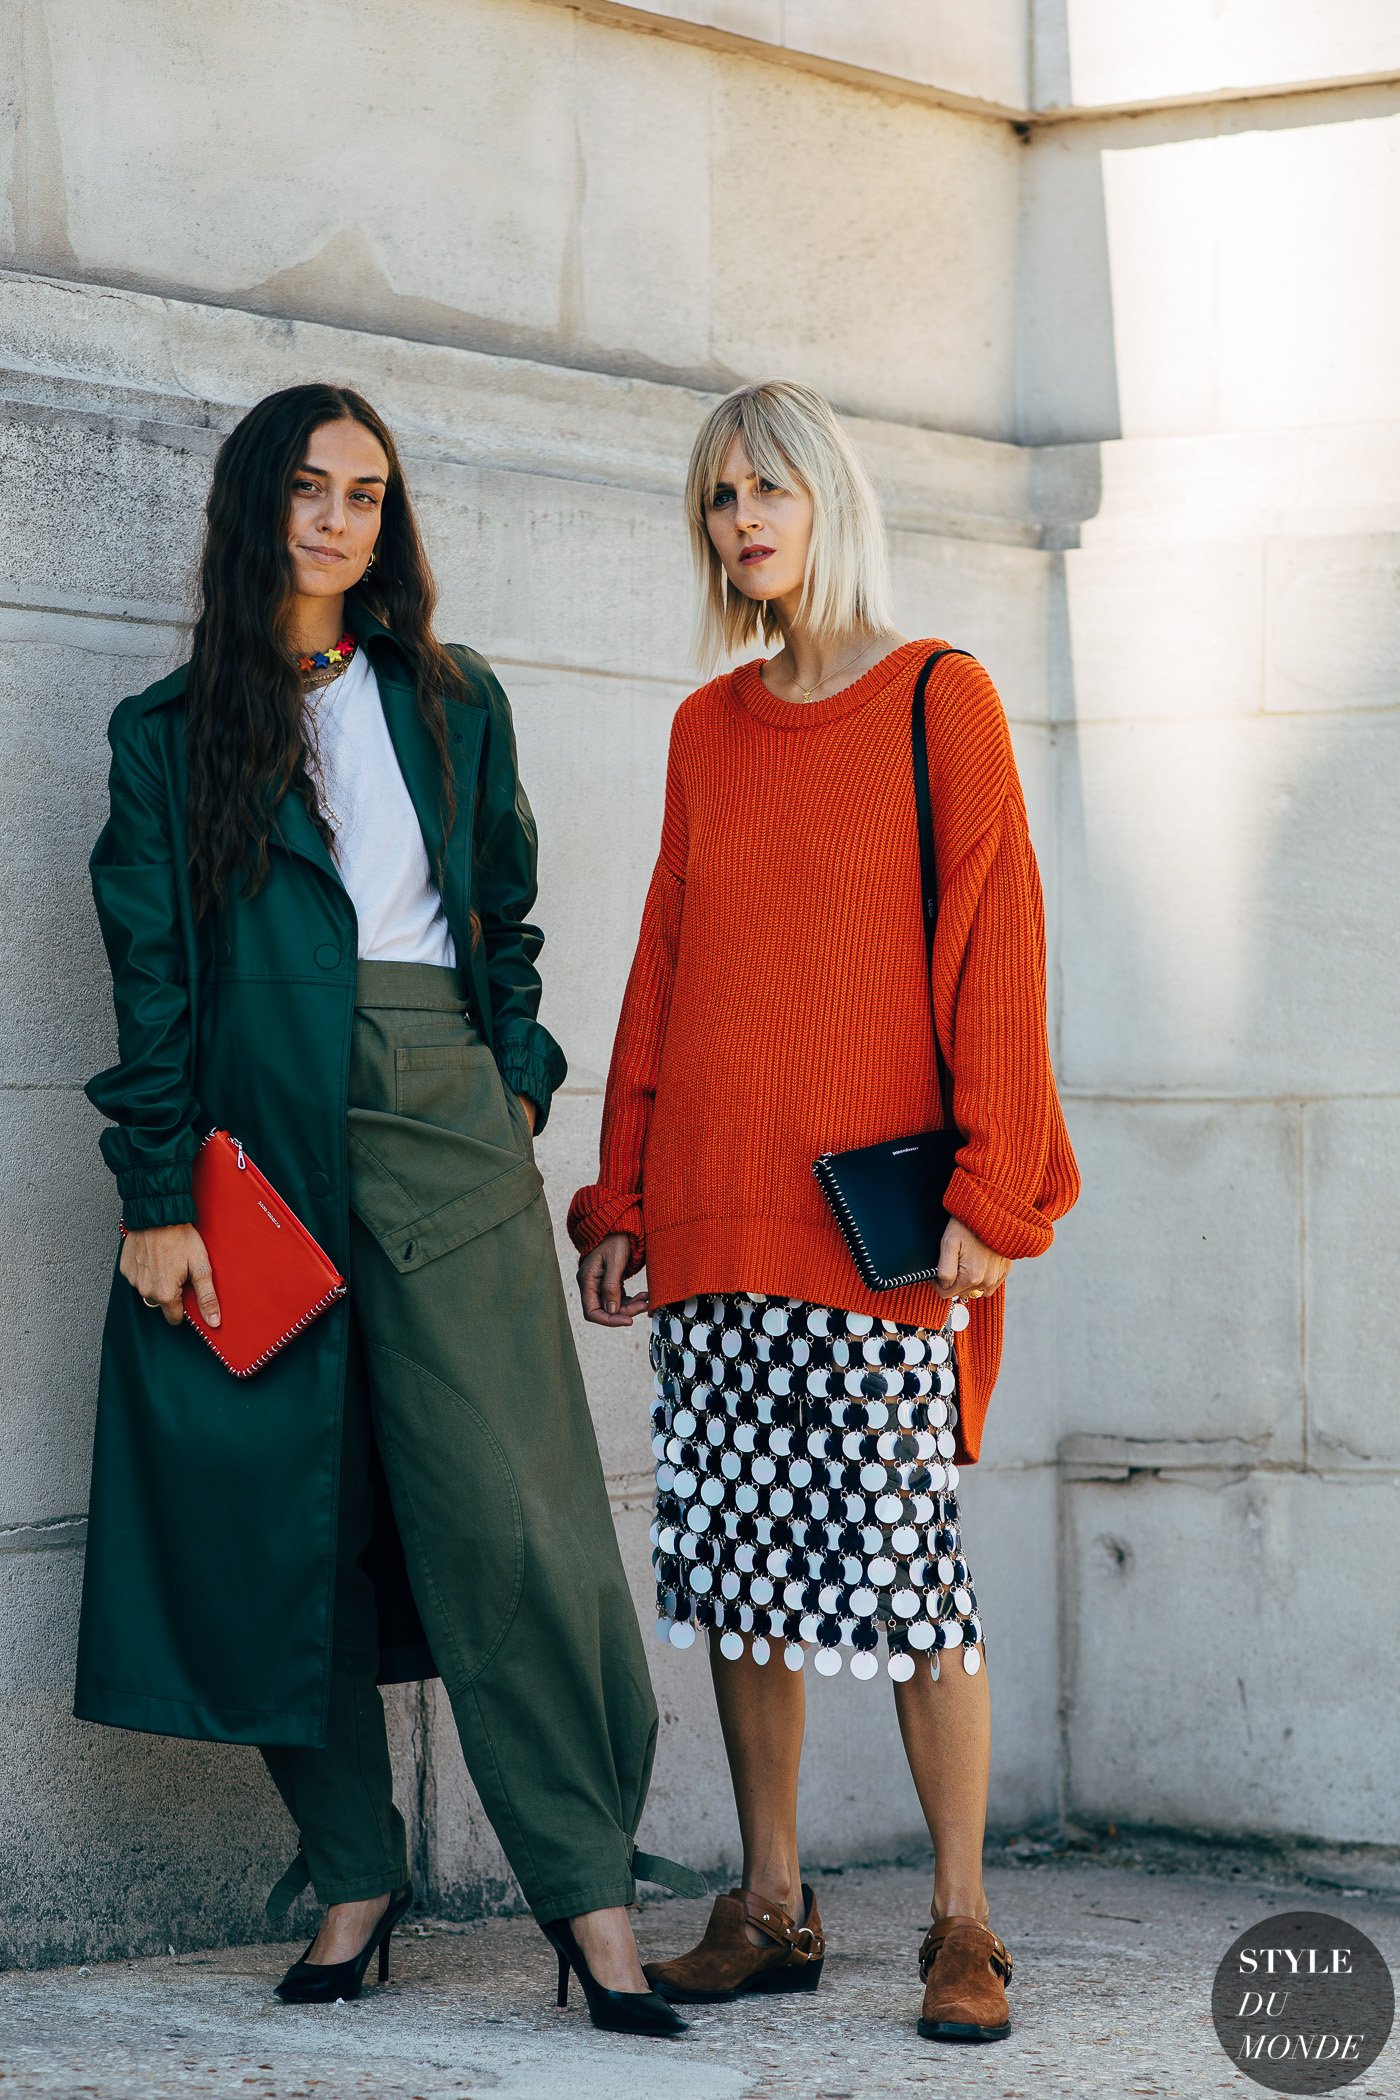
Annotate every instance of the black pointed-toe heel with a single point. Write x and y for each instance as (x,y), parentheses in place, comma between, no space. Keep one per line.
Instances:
(620,2012)
(322,1982)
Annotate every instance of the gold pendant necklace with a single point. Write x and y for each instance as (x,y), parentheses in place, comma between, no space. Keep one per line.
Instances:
(808,690)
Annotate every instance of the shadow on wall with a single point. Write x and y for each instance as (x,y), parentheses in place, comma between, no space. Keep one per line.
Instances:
(1067,376)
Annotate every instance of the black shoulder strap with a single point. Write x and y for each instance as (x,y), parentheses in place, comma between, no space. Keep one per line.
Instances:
(929,868)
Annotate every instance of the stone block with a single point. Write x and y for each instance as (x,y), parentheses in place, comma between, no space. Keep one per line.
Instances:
(1023,1425)
(116,1843)
(560,575)
(989,598)
(980,54)
(593,759)
(1334,623)
(59,681)
(1224,888)
(1352,1275)
(555,248)
(462,237)
(1163,632)
(1177,1288)
(640,270)
(1217,1677)
(141,538)
(58,1244)
(924,241)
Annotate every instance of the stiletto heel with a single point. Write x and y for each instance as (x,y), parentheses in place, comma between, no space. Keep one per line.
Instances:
(620,2012)
(323,1982)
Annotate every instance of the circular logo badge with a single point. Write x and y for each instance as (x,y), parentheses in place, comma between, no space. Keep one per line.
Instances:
(1303,2002)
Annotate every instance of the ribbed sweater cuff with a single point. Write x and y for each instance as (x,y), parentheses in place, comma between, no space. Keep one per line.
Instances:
(1007,1223)
(596,1211)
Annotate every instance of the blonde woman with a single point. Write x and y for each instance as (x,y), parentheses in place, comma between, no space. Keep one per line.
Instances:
(809,1429)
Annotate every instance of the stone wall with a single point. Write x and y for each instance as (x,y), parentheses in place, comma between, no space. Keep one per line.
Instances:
(1124,372)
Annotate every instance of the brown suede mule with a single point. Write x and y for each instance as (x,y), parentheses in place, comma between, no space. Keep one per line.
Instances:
(726,1963)
(965,1968)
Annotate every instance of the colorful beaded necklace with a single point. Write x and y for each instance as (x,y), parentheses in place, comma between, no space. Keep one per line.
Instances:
(327,664)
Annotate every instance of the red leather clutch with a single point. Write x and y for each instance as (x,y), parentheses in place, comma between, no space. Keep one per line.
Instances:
(271,1276)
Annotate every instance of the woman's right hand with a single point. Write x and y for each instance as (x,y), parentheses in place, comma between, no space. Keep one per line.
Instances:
(600,1276)
(161,1260)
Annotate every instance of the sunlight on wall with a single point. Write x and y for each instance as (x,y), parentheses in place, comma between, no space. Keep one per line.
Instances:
(1243,296)
(1134,50)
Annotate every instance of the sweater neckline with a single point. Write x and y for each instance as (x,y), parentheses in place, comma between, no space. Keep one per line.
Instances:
(753,694)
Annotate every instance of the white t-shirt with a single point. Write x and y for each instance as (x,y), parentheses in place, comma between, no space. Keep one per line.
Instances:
(378,846)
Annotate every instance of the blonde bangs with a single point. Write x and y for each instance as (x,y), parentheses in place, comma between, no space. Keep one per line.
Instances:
(792,437)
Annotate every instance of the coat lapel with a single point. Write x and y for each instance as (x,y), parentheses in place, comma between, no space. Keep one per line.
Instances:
(300,836)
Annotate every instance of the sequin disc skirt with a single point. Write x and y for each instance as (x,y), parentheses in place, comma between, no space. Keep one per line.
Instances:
(805,1485)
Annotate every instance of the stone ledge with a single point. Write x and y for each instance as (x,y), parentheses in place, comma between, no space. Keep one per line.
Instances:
(185,370)
(1012,72)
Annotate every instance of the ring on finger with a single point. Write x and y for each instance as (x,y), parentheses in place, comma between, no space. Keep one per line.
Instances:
(153,1302)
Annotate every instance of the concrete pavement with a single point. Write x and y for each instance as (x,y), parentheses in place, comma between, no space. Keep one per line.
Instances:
(1114,1953)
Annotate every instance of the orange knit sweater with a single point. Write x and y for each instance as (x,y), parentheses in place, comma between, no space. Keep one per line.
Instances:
(776,1007)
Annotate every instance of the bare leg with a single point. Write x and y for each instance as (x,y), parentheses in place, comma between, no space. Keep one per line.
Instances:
(947,1729)
(345,1929)
(607,1944)
(763,1713)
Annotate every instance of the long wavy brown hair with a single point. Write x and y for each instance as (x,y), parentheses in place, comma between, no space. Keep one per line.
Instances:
(246,733)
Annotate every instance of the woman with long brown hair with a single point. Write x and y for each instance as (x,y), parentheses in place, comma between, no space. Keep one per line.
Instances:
(313,886)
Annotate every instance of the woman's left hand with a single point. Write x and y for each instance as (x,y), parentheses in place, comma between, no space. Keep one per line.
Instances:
(967,1267)
(531,1112)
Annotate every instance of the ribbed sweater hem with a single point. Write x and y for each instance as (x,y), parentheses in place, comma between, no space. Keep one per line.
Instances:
(791,1258)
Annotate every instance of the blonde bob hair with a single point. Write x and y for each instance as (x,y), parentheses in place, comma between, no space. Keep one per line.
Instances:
(791,435)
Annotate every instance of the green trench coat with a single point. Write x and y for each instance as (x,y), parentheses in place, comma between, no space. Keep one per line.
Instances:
(210,1569)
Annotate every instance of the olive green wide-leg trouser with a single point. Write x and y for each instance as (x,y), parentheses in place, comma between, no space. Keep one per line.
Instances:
(472,1394)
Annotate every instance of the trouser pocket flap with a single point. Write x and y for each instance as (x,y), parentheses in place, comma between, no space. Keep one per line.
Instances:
(398,1169)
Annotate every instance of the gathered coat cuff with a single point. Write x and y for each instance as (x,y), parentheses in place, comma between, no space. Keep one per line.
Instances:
(596,1211)
(1007,1223)
(156,1196)
(531,1063)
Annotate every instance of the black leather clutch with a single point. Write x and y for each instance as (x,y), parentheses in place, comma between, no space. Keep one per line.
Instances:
(888,1199)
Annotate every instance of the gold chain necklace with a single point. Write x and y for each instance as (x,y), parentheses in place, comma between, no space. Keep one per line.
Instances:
(317,679)
(808,690)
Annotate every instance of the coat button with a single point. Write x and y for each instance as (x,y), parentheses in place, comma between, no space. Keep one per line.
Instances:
(319,1183)
(327,955)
